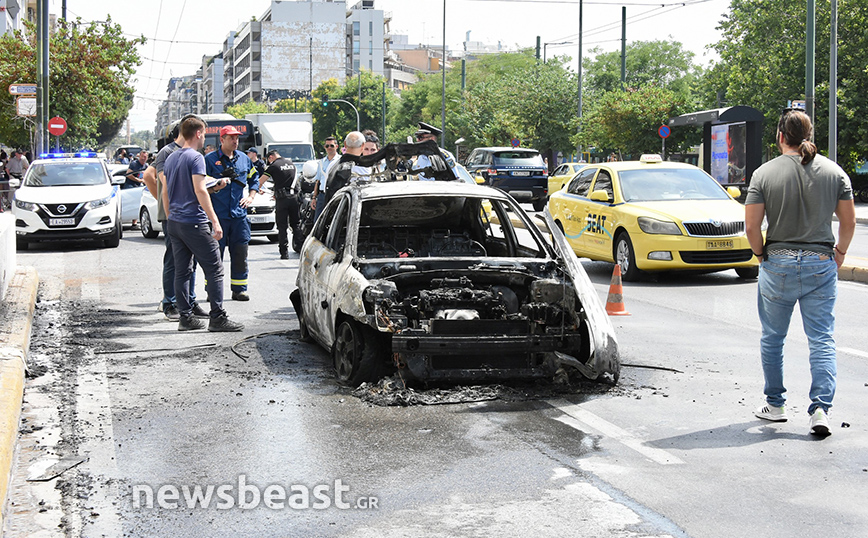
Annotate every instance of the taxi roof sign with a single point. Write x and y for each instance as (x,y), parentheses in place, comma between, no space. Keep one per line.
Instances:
(650,158)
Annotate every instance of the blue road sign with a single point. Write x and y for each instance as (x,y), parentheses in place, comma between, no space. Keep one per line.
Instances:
(663,131)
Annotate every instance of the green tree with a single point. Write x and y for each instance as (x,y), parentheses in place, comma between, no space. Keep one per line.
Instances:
(509,95)
(627,120)
(662,63)
(338,119)
(91,65)
(762,64)
(247,107)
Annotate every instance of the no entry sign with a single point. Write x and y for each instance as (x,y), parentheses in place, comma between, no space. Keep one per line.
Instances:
(57,126)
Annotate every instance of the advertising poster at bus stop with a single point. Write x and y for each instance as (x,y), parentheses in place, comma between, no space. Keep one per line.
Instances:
(728,152)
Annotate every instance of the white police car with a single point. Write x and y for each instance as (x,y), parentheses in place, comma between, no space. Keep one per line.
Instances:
(68,196)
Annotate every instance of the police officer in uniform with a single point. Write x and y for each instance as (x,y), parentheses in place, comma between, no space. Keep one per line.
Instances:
(283,174)
(429,132)
(231,204)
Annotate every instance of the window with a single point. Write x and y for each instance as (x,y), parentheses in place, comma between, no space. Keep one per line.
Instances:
(370,65)
(370,47)
(604,183)
(356,30)
(370,27)
(356,46)
(580,183)
(355,66)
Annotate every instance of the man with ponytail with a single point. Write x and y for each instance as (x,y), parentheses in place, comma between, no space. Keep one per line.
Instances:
(798,192)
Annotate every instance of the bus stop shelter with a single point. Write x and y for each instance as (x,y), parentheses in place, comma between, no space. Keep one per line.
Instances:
(731,141)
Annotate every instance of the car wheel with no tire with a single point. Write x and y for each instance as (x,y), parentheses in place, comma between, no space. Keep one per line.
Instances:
(356,354)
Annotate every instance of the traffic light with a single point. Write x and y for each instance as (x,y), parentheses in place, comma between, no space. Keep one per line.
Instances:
(325,100)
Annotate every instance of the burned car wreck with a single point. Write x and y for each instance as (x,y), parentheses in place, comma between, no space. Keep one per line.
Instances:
(445,280)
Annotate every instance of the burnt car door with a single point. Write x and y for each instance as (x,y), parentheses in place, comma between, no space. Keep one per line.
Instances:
(605,361)
(317,269)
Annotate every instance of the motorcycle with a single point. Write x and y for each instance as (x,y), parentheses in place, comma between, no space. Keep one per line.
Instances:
(306,213)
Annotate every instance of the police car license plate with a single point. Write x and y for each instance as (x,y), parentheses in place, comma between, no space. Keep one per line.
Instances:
(718,244)
(521,174)
(61,222)
(258,219)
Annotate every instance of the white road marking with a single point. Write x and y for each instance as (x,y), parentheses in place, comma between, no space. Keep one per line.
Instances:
(579,418)
(94,410)
(851,351)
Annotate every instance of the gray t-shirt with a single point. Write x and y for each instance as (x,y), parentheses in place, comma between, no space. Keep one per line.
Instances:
(799,200)
(159,164)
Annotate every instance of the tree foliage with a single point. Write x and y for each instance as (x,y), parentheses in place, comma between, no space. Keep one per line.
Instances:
(90,67)
(660,77)
(247,107)
(762,64)
(338,119)
(627,120)
(661,63)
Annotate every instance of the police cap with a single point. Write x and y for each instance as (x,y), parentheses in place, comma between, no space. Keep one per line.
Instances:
(427,128)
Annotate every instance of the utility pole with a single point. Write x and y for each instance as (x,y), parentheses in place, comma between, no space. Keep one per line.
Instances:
(833,85)
(623,47)
(443,96)
(579,115)
(810,53)
(42,93)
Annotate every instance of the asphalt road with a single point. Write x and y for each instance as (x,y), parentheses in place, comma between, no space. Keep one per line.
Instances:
(120,404)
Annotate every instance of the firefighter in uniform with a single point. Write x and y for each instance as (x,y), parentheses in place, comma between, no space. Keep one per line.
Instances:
(231,204)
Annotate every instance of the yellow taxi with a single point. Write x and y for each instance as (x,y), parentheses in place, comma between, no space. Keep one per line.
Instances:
(562,174)
(651,215)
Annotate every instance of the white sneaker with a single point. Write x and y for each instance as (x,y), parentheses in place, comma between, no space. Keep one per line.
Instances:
(820,423)
(772,413)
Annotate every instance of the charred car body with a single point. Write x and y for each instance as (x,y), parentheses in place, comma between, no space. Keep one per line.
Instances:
(446,280)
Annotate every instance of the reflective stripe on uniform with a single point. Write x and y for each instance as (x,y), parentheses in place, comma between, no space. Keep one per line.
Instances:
(238,282)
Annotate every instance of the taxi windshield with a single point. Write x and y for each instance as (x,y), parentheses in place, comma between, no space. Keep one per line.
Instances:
(56,174)
(659,184)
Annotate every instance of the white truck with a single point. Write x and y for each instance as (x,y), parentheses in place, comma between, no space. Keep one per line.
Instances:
(290,133)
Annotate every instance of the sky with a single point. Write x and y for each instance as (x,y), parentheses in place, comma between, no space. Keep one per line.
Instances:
(180,32)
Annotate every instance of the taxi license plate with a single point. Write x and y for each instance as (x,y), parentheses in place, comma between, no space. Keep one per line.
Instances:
(61,222)
(521,173)
(713,245)
(258,219)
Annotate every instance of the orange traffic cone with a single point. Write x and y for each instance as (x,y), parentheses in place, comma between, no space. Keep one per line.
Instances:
(615,302)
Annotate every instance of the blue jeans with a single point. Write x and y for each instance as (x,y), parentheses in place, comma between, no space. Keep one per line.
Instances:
(169,274)
(189,240)
(813,282)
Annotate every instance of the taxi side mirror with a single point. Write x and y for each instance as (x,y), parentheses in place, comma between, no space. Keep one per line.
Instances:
(735,192)
(600,196)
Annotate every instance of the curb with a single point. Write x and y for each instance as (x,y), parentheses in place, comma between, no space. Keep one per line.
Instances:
(17,318)
(853,273)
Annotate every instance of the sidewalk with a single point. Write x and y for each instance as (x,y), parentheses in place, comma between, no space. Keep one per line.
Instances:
(855,269)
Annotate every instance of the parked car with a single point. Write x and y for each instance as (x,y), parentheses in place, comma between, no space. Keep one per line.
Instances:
(131,195)
(66,196)
(415,275)
(650,215)
(260,214)
(519,171)
(562,175)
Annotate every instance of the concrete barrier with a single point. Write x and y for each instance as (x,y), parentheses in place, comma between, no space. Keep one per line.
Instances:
(8,260)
